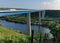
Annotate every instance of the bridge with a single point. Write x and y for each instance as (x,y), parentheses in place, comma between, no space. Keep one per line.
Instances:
(28,12)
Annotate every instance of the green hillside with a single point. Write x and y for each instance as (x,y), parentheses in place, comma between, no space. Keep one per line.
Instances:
(53,13)
(9,35)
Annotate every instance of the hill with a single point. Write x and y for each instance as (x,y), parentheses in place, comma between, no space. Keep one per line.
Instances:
(9,35)
(14,8)
(49,13)
(53,13)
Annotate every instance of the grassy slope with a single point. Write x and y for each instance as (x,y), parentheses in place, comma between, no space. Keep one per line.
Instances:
(8,34)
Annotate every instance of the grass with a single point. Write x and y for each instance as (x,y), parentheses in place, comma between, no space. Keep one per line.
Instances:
(11,35)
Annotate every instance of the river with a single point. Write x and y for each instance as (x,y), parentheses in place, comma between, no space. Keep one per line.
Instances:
(22,27)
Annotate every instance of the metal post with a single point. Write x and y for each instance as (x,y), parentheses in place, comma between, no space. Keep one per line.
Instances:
(32,34)
(28,24)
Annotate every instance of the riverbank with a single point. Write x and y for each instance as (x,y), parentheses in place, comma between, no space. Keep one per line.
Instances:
(8,35)
(19,19)
(23,19)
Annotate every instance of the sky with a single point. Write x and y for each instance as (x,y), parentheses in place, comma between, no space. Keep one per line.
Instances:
(31,4)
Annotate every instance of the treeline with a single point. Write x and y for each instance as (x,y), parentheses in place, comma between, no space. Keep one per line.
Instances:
(14,8)
(49,14)
(53,13)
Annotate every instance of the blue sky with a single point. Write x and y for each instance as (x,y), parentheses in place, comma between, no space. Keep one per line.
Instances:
(31,4)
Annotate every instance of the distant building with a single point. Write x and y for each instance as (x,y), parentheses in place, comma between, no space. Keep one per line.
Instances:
(12,9)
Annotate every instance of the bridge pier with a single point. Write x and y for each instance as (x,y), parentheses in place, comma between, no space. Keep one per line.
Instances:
(41,16)
(29,24)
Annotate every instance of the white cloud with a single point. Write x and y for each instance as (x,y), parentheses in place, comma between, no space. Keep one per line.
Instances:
(51,5)
(46,3)
(57,0)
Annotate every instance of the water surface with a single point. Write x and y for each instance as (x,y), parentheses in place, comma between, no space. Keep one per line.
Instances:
(22,27)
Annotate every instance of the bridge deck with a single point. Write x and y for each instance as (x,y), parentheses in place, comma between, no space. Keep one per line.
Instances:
(15,12)
(11,10)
